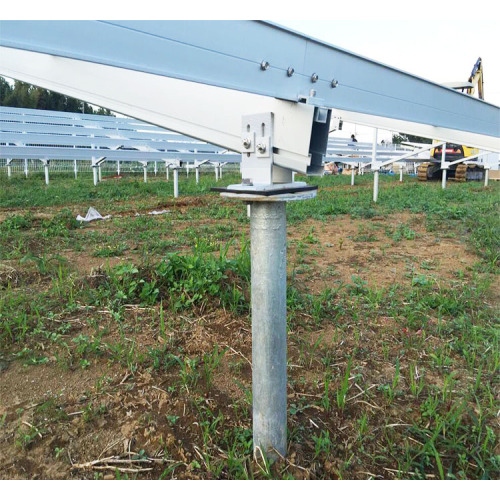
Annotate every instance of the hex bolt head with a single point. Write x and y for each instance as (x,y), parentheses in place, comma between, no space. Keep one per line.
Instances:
(264,65)
(314,77)
(261,148)
(247,142)
(290,71)
(334,83)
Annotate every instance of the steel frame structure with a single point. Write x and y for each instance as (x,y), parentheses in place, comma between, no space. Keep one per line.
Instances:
(184,76)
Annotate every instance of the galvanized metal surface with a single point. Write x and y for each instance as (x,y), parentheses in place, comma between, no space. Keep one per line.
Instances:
(269,339)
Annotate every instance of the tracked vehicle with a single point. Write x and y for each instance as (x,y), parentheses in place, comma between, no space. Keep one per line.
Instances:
(461,172)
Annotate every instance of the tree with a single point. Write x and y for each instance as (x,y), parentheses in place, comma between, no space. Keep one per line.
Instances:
(24,95)
(399,138)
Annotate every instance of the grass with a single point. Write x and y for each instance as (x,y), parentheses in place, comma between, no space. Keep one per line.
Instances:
(397,381)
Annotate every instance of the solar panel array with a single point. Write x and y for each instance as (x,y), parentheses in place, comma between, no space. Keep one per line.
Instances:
(63,138)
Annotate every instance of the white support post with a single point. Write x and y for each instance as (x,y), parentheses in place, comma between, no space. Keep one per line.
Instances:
(220,171)
(216,173)
(100,172)
(486,175)
(197,170)
(352,175)
(444,166)
(145,173)
(187,169)
(167,170)
(46,168)
(376,169)
(176,182)
(75,168)
(444,169)
(9,171)
(374,145)
(375,165)
(156,167)
(293,180)
(94,171)
(118,167)
(26,167)
(400,173)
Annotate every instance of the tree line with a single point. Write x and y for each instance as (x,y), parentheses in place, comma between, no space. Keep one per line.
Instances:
(24,95)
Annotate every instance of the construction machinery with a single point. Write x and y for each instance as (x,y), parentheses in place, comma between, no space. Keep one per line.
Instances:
(461,172)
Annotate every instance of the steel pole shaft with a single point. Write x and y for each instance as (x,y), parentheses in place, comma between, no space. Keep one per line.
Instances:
(269,340)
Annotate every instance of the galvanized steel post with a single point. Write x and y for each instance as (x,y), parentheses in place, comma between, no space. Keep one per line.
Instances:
(94,171)
(145,173)
(486,175)
(269,339)
(9,171)
(352,176)
(46,174)
(26,168)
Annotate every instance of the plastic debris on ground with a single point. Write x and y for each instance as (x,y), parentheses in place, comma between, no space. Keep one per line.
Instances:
(92,214)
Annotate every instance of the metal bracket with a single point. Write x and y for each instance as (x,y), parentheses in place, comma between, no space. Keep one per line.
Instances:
(257,139)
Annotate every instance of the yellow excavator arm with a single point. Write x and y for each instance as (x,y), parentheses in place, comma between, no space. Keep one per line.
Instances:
(476,79)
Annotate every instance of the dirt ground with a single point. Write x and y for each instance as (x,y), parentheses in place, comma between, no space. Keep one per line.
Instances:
(77,418)
(335,252)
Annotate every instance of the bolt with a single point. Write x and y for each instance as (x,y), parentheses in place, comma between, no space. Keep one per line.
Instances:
(264,65)
(334,83)
(290,71)
(247,142)
(314,78)
(261,148)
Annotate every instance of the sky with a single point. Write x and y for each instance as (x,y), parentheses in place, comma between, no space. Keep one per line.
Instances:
(439,40)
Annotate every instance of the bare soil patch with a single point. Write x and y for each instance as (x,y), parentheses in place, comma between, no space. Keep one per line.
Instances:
(369,250)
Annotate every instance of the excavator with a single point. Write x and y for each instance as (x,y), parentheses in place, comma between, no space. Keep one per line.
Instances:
(462,171)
